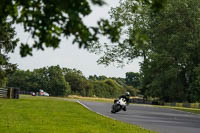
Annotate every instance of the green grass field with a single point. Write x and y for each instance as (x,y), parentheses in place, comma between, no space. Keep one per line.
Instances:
(51,115)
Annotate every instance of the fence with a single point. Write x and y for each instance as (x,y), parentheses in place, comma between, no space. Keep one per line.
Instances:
(9,93)
(186,105)
(3,93)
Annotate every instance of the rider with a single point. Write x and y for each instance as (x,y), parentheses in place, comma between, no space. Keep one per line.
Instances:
(126,96)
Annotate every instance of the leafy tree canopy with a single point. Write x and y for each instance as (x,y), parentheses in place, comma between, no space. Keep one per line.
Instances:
(7,44)
(133,79)
(47,20)
(168,43)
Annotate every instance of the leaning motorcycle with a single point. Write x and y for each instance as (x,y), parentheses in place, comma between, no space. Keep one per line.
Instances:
(118,105)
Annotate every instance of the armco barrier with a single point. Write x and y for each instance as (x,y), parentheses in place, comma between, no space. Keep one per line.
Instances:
(173,104)
(3,93)
(12,93)
(179,104)
(194,105)
(186,105)
(140,101)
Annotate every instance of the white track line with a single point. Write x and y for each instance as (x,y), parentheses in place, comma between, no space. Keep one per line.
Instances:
(94,111)
(107,116)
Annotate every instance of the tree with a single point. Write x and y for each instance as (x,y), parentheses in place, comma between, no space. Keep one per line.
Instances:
(174,56)
(7,44)
(56,82)
(168,42)
(133,79)
(49,79)
(40,77)
(107,88)
(120,81)
(47,20)
(21,79)
(76,80)
(95,77)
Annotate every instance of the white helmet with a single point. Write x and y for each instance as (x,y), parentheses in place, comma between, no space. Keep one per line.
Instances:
(127,93)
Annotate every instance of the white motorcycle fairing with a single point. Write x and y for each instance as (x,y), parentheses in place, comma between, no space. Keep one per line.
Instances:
(122,101)
(118,105)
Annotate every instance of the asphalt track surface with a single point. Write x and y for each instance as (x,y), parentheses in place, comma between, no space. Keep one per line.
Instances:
(157,119)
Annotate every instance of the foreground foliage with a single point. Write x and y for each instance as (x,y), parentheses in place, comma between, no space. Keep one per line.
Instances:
(42,115)
(47,20)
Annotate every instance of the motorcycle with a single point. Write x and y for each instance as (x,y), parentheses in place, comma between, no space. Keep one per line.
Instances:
(119,105)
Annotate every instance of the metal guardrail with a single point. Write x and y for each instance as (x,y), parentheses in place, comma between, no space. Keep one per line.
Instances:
(140,101)
(3,93)
(186,105)
(10,93)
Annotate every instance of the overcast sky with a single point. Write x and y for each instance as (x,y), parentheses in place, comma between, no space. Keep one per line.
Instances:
(69,55)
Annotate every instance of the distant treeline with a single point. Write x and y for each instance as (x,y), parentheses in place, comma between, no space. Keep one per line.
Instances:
(59,81)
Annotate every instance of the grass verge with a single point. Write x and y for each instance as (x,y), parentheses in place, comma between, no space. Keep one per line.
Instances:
(51,115)
(90,98)
(191,110)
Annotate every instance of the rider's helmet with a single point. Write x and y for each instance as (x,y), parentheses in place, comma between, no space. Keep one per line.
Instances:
(127,94)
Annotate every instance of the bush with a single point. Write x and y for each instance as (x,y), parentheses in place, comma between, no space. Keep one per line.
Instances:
(107,88)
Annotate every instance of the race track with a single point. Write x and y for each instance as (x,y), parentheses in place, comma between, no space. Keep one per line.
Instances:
(154,118)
